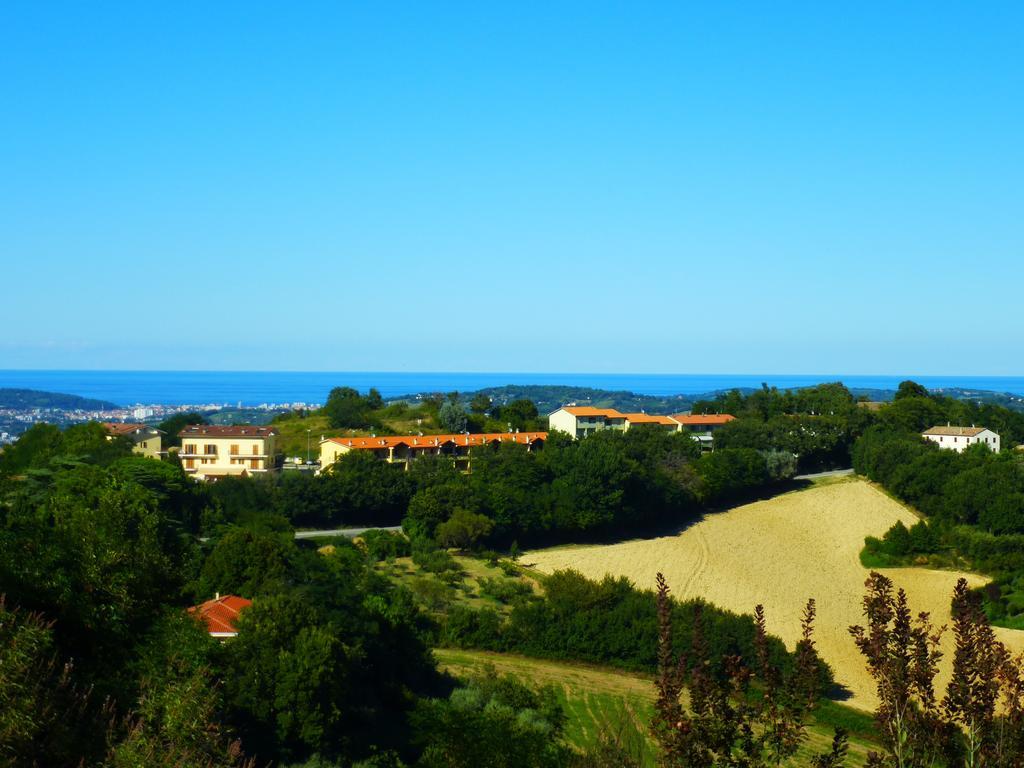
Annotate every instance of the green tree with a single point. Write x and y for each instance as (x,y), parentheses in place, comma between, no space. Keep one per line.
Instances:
(493,722)
(172,426)
(463,529)
(480,403)
(246,563)
(347,409)
(452,417)
(910,388)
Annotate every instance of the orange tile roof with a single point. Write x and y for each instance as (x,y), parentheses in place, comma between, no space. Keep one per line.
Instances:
(220,614)
(588,410)
(708,418)
(435,441)
(650,418)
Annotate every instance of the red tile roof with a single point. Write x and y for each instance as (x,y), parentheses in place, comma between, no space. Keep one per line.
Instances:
(708,418)
(948,430)
(588,410)
(117,428)
(215,430)
(650,418)
(220,614)
(435,441)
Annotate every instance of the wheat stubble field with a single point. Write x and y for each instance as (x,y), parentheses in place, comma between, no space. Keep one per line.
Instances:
(778,553)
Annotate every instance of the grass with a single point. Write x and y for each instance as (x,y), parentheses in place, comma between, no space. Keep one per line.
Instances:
(597,698)
(436,594)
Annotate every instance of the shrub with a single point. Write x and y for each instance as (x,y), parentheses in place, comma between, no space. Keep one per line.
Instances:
(505,590)
(385,545)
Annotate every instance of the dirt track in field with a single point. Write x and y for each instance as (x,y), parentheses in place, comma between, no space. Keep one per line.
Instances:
(778,553)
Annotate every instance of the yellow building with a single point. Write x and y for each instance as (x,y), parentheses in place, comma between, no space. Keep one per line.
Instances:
(403,449)
(146,440)
(209,451)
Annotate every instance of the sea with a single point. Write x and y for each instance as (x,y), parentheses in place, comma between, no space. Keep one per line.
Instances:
(250,388)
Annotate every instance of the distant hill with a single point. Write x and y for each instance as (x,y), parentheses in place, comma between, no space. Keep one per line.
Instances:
(1004,399)
(549,397)
(33,398)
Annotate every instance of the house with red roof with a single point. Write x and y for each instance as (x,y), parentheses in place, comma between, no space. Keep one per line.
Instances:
(220,614)
(403,449)
(146,440)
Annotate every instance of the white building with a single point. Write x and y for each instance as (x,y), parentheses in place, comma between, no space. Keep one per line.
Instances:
(958,438)
(583,420)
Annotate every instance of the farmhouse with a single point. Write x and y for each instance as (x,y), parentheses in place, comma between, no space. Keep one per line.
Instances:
(957,438)
(220,614)
(146,440)
(209,452)
(403,449)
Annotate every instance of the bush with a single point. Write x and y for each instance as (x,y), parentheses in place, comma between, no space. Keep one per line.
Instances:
(505,590)
(434,560)
(385,545)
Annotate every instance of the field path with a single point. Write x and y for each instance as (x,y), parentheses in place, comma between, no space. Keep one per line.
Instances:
(779,552)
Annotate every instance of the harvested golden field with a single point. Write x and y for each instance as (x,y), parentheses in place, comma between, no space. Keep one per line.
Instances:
(778,553)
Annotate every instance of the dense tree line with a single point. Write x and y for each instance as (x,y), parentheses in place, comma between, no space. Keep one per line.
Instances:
(820,425)
(816,424)
(608,484)
(975,487)
(973,501)
(607,622)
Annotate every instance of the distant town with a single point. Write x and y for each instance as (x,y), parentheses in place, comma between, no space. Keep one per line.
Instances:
(15,419)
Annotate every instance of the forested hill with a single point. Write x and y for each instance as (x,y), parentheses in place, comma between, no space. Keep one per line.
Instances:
(33,398)
(549,397)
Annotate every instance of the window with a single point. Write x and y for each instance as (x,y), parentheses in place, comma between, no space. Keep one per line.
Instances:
(234,450)
(255,449)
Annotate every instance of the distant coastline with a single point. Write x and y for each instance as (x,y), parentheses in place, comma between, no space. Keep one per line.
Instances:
(258,387)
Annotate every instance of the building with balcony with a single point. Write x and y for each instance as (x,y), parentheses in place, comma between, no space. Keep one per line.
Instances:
(209,452)
(957,439)
(583,420)
(146,440)
(404,449)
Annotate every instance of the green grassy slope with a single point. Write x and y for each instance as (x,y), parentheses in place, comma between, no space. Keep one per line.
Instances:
(597,697)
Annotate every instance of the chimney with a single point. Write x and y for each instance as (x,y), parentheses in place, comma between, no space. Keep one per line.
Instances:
(216,595)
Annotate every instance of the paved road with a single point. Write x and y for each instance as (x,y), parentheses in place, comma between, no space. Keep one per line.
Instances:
(350,532)
(830,473)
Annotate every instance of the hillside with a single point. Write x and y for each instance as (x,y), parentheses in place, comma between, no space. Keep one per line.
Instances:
(23,399)
(778,553)
(597,697)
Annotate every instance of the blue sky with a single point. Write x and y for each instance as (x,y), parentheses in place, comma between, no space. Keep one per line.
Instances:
(716,187)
